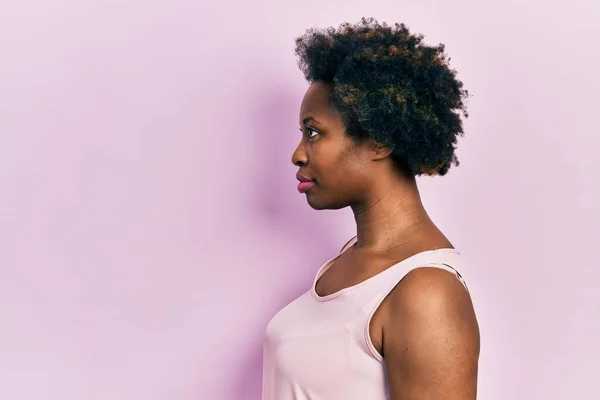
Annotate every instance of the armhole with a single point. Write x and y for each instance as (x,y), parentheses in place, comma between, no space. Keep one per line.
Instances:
(367,335)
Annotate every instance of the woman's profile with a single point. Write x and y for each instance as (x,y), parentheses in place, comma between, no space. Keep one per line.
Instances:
(390,316)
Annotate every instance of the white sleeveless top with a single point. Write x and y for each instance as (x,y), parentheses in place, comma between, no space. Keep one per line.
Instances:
(319,347)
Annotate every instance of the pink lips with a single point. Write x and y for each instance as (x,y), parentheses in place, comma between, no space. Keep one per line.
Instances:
(305,183)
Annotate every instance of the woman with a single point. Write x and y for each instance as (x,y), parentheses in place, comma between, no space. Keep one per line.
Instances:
(389,317)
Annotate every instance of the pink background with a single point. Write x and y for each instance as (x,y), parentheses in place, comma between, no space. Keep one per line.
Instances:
(149,223)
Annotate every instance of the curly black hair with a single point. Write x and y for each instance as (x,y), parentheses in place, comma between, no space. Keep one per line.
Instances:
(390,86)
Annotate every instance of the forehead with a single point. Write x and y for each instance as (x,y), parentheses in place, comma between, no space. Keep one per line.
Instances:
(316,101)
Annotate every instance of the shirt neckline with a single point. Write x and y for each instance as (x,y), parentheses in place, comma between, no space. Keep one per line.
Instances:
(330,262)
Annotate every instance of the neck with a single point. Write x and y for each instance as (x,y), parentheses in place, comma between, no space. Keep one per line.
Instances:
(391,216)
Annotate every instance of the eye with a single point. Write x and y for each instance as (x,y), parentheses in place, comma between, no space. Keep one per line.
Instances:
(311,132)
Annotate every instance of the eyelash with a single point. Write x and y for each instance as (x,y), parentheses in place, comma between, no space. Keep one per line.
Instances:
(308,128)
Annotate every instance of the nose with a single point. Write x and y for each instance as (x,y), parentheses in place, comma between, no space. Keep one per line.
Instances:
(299,157)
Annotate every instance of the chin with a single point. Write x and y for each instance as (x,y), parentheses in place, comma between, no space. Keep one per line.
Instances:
(319,203)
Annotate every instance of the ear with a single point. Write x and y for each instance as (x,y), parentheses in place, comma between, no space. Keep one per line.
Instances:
(380,151)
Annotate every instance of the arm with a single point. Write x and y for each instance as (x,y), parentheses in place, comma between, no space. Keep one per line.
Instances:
(431,338)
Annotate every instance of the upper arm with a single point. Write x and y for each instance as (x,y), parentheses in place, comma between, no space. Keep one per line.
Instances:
(431,338)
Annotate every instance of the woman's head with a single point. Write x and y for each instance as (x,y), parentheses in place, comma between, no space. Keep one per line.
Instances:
(386,98)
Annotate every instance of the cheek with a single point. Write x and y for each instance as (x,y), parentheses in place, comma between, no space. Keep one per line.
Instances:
(354,161)
(337,163)
(325,158)
(349,168)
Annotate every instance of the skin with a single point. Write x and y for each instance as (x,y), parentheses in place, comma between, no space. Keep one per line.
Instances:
(426,328)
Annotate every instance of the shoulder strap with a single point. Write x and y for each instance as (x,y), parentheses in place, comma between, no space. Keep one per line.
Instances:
(386,280)
(450,269)
(440,262)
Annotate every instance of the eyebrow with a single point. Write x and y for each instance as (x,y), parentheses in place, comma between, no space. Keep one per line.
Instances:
(307,119)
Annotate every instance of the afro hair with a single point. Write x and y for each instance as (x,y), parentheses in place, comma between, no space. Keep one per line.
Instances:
(390,86)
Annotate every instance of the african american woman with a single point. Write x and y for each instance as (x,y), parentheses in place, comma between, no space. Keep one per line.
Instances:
(390,316)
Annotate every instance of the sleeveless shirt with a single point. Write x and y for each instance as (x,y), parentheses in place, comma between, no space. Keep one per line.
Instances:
(319,347)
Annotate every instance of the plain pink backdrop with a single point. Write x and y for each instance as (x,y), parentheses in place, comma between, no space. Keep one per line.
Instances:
(149,223)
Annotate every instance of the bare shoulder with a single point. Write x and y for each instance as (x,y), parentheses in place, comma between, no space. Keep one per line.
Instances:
(431,337)
(431,288)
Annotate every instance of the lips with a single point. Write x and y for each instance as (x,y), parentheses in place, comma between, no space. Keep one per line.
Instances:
(305,183)
(304,187)
(302,178)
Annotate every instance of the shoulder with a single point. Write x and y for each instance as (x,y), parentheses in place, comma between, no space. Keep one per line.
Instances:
(431,298)
(427,289)
(431,336)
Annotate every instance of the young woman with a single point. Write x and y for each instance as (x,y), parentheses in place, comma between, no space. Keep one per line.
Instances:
(390,317)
